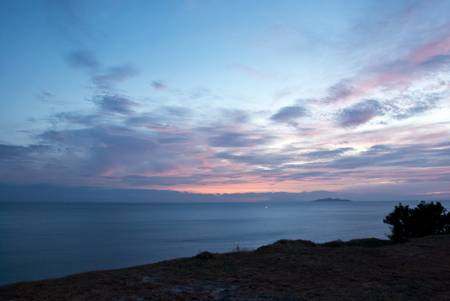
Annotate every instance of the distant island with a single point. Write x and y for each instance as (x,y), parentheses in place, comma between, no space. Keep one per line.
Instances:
(332,200)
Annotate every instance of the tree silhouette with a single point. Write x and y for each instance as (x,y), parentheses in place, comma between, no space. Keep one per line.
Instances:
(425,219)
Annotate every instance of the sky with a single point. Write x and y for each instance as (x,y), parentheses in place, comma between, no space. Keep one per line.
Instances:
(227,96)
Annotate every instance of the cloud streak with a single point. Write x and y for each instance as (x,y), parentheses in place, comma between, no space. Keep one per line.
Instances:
(362,105)
(83,59)
(359,113)
(289,114)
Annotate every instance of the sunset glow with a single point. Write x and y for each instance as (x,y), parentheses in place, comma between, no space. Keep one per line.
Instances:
(217,97)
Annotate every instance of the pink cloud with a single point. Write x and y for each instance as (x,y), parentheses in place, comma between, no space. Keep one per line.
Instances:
(440,46)
(397,74)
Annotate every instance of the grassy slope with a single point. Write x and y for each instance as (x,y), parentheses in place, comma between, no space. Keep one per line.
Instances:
(287,270)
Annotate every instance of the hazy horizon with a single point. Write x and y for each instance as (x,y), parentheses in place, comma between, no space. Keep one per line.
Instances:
(48,193)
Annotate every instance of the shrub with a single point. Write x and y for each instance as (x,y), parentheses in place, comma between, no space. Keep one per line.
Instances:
(204,255)
(425,219)
(361,242)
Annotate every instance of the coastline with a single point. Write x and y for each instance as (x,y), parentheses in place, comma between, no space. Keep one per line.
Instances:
(368,269)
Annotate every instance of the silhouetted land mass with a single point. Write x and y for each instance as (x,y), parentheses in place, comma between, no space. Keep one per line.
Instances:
(367,269)
(332,200)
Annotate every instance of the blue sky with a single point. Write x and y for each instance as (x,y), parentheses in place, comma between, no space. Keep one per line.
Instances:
(227,96)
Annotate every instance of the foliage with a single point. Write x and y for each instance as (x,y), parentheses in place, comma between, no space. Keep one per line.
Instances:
(425,219)
(362,242)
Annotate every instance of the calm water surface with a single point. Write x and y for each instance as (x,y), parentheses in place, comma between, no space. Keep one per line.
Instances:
(42,240)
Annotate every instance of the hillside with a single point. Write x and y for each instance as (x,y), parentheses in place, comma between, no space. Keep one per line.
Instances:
(287,270)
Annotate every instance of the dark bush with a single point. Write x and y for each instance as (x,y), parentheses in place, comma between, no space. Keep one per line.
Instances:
(425,219)
(204,255)
(362,242)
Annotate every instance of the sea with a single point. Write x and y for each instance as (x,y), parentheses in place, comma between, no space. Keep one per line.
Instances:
(47,240)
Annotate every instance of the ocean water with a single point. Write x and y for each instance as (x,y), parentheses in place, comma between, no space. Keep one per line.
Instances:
(44,240)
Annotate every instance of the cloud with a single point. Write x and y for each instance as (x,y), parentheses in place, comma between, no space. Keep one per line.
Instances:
(18,162)
(327,153)
(75,118)
(289,114)
(409,106)
(197,136)
(255,159)
(340,91)
(419,62)
(410,155)
(45,96)
(235,116)
(113,75)
(8,152)
(114,104)
(83,59)
(108,107)
(159,85)
(103,78)
(238,139)
(177,111)
(439,62)
(174,138)
(108,150)
(359,113)
(137,180)
(305,175)
(164,118)
(438,47)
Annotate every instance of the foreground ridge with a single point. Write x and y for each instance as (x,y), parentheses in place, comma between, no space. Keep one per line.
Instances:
(368,269)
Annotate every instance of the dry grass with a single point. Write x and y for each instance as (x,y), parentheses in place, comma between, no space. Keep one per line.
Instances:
(286,270)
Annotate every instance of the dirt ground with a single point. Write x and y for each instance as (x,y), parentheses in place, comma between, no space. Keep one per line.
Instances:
(285,271)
